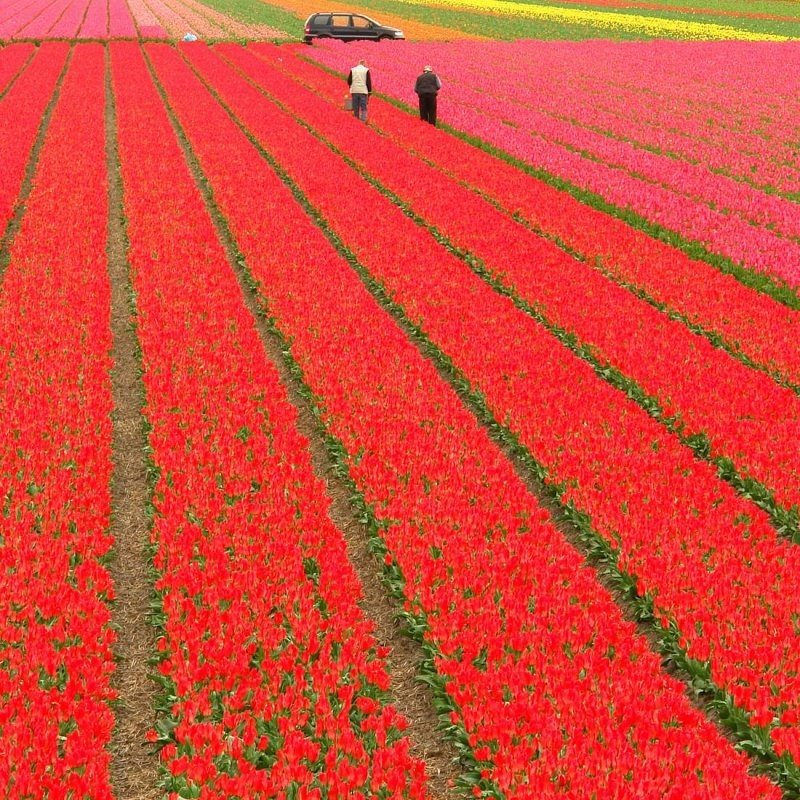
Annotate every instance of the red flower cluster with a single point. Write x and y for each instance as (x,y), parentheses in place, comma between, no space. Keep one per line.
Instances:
(554,693)
(750,322)
(614,461)
(272,676)
(745,414)
(55,450)
(645,493)
(21,110)
(12,59)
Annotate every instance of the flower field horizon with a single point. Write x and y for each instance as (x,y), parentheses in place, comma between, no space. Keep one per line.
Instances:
(387,460)
(422,20)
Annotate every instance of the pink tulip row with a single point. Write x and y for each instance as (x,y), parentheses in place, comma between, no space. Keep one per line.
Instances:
(147,23)
(178,19)
(738,132)
(570,117)
(94,25)
(544,677)
(26,16)
(275,681)
(12,8)
(56,640)
(44,17)
(169,20)
(160,19)
(84,19)
(747,416)
(750,323)
(120,19)
(598,164)
(69,23)
(646,494)
(228,27)
(110,20)
(13,17)
(597,84)
(692,181)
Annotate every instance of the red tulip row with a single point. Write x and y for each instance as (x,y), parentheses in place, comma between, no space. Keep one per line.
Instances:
(746,321)
(274,685)
(21,110)
(55,456)
(747,417)
(549,686)
(647,496)
(12,59)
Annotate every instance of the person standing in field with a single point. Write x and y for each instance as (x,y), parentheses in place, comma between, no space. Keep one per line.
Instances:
(360,82)
(427,88)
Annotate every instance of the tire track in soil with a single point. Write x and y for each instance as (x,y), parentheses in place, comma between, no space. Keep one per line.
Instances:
(134,768)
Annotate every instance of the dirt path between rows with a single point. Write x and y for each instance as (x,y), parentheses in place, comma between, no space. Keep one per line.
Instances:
(134,767)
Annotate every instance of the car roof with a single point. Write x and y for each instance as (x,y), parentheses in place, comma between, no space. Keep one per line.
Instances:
(347,13)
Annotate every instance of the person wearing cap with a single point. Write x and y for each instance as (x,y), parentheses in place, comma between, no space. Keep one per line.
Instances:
(427,88)
(360,82)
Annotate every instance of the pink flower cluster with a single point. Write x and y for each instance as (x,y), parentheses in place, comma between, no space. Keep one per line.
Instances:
(122,19)
(66,19)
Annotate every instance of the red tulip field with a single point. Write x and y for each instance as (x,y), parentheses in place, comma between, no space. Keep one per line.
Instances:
(387,460)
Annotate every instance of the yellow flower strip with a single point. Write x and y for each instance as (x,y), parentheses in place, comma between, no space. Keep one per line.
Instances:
(654,26)
(684,9)
(417,31)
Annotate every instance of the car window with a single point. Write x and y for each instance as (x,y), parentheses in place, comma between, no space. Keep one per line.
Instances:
(340,20)
(361,22)
(322,19)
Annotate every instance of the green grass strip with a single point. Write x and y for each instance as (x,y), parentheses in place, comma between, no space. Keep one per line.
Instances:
(255,12)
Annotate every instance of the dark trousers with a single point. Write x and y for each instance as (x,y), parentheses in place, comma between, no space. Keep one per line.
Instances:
(427,107)
(360,106)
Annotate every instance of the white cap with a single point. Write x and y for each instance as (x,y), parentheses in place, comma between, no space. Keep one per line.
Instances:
(427,68)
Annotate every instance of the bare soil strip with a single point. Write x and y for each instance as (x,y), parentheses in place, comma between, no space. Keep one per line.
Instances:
(134,768)
(413,698)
